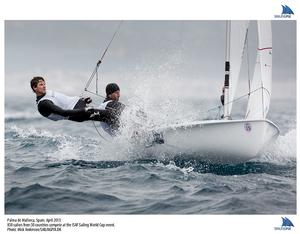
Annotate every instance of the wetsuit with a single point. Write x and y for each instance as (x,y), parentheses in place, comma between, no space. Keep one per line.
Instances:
(111,122)
(57,106)
(222,99)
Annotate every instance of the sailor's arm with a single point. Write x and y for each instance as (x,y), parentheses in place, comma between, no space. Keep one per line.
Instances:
(47,107)
(115,107)
(101,115)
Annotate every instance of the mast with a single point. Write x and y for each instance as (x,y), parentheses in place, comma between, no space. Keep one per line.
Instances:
(227,70)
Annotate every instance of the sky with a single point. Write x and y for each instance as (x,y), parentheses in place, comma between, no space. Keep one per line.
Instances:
(166,58)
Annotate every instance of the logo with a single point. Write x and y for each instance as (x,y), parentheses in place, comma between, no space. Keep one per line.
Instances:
(286,12)
(247,127)
(286,224)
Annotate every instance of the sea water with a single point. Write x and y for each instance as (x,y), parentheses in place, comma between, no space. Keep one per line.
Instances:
(65,167)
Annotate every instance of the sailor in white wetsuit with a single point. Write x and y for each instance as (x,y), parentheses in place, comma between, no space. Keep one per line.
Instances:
(114,107)
(57,106)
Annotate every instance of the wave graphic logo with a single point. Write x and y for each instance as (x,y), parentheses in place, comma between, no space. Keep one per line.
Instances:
(287,12)
(286,224)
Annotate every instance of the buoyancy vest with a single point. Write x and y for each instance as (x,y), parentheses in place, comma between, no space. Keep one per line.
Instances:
(61,100)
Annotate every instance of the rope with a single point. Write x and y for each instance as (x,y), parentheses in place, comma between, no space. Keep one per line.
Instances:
(88,91)
(247,94)
(99,132)
(95,72)
(248,70)
(97,78)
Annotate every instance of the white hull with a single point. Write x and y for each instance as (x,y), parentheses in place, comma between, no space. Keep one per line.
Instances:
(216,140)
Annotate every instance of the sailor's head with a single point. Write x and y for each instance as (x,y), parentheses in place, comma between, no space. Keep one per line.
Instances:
(38,85)
(112,91)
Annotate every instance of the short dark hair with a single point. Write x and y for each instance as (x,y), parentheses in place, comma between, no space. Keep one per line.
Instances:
(34,81)
(111,88)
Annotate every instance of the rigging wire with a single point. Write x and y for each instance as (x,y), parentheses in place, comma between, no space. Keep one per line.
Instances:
(219,107)
(95,73)
(239,98)
(248,70)
(97,82)
(98,131)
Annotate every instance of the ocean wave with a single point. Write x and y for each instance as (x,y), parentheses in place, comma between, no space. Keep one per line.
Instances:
(30,132)
(26,170)
(20,116)
(66,146)
(91,153)
(38,199)
(190,166)
(207,191)
(185,168)
(177,189)
(281,151)
(87,164)
(55,146)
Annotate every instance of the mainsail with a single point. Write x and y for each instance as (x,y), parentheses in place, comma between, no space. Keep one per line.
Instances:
(238,34)
(260,88)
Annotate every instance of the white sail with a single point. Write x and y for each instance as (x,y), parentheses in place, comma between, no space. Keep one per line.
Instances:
(260,88)
(255,104)
(237,140)
(238,33)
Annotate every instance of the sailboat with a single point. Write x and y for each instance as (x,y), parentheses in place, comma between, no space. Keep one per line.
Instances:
(229,140)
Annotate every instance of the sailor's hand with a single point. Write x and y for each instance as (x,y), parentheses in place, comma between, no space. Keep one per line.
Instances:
(94,114)
(87,100)
(90,110)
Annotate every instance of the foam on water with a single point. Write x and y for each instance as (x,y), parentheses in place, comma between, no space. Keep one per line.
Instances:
(20,115)
(64,146)
(184,170)
(124,147)
(282,150)
(141,115)
(30,132)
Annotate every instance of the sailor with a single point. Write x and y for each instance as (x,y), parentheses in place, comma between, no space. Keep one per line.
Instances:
(222,100)
(222,96)
(57,106)
(114,107)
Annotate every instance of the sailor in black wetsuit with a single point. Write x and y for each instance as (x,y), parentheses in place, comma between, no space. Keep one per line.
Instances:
(114,107)
(57,106)
(222,96)
(222,100)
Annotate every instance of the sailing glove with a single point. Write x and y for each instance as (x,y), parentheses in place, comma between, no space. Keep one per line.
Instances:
(90,110)
(88,100)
